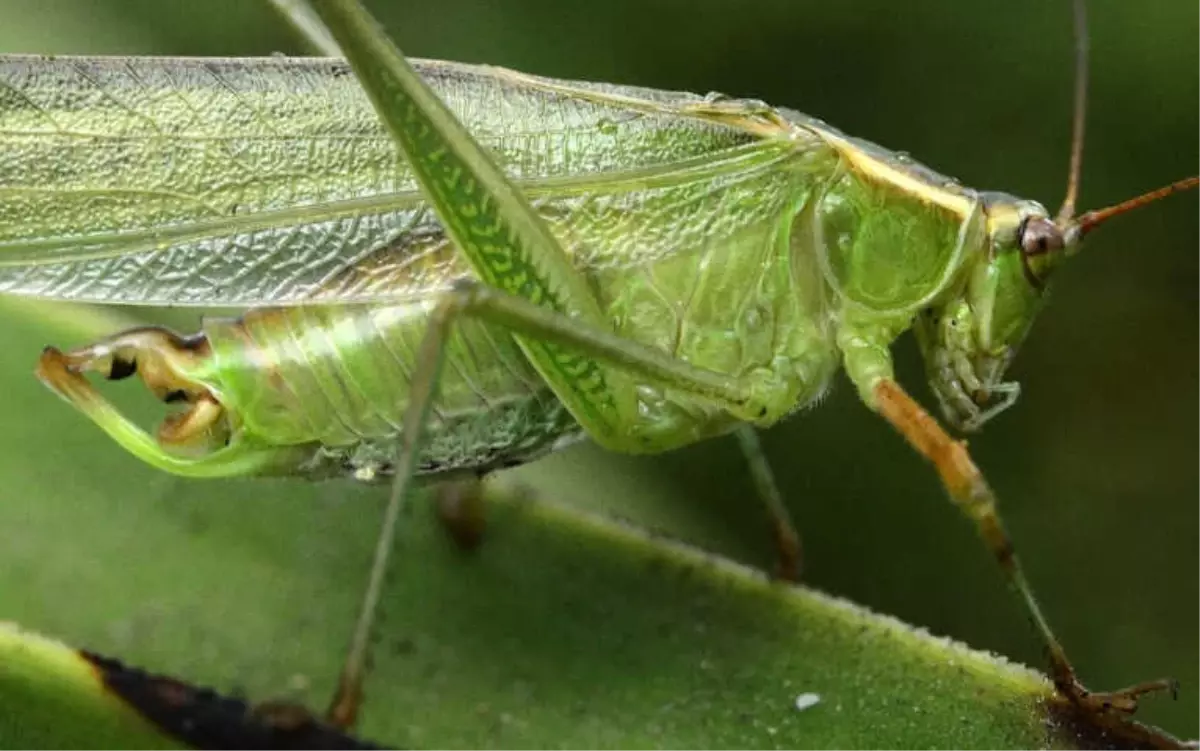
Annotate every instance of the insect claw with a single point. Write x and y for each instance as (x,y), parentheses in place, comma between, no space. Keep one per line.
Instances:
(52,358)
(205,429)
(61,372)
(202,419)
(1124,702)
(97,358)
(163,360)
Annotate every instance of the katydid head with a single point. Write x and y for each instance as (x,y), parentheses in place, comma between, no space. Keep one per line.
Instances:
(968,342)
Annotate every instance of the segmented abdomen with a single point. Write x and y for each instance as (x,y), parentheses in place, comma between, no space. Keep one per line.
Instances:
(338,377)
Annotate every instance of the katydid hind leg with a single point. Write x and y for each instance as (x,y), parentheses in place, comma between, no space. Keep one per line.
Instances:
(343,709)
(548,304)
(970,492)
(302,17)
(520,317)
(788,549)
(759,396)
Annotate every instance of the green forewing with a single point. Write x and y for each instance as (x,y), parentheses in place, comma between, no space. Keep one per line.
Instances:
(244,182)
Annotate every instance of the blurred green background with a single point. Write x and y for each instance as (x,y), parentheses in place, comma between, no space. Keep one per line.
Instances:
(1096,466)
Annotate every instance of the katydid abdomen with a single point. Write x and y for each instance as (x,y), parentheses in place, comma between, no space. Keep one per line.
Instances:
(336,379)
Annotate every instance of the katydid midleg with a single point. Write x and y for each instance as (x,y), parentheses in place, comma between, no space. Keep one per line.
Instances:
(668,268)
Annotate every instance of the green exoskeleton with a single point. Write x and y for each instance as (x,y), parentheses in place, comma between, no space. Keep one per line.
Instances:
(452,268)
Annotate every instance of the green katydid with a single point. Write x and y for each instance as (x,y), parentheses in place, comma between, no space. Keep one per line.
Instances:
(834,247)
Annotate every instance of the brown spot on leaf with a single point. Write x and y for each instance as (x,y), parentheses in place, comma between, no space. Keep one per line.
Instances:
(203,718)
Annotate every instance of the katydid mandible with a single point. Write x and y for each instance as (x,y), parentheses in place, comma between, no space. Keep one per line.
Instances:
(440,284)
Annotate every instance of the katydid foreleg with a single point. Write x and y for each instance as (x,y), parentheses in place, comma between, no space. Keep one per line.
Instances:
(869,365)
(970,492)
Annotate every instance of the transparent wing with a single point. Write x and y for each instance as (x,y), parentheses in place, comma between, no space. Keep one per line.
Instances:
(248,182)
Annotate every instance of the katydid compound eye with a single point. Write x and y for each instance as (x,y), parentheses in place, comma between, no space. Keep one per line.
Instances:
(1039,235)
(1040,240)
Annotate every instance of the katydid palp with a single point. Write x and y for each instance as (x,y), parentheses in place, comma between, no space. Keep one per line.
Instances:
(757,245)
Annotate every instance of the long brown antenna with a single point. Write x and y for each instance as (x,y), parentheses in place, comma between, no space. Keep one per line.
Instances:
(1077,227)
(1081,84)
(1088,220)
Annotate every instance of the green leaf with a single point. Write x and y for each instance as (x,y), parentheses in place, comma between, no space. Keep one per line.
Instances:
(562,629)
(53,697)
